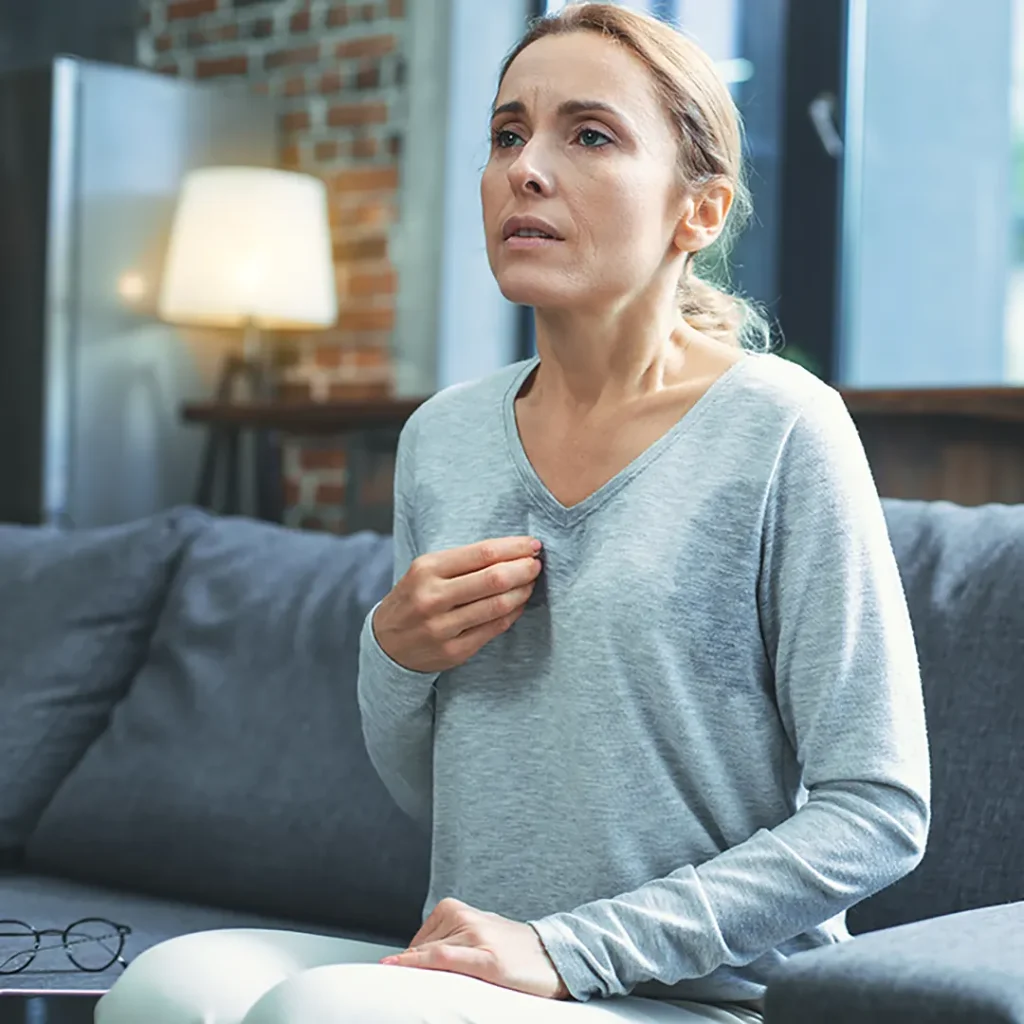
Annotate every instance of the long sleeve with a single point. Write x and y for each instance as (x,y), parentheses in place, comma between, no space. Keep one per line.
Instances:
(396,703)
(838,638)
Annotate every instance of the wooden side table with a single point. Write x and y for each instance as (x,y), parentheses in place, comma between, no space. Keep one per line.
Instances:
(363,424)
(964,445)
(959,444)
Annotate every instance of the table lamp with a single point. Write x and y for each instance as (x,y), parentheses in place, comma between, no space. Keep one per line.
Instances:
(250,248)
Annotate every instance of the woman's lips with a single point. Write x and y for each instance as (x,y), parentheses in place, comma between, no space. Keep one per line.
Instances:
(530,242)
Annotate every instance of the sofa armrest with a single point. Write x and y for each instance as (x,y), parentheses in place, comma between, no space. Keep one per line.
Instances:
(965,968)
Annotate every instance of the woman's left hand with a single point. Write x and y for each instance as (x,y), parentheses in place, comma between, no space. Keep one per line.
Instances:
(458,938)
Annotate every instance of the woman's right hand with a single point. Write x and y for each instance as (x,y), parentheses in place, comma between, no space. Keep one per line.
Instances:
(451,603)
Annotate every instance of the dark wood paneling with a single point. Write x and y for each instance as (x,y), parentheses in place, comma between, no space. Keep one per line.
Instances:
(962,445)
(305,418)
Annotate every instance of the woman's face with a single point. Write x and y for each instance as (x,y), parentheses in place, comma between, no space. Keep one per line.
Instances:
(582,151)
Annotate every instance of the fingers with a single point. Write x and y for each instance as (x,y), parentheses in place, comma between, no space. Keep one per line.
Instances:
(490,587)
(436,926)
(466,644)
(473,557)
(487,610)
(445,918)
(446,956)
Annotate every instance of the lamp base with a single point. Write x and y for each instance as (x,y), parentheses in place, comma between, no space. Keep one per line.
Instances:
(224,441)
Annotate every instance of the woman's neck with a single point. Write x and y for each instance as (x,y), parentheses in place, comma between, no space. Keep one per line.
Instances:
(590,361)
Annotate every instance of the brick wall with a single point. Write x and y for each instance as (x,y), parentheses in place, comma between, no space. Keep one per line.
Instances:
(335,72)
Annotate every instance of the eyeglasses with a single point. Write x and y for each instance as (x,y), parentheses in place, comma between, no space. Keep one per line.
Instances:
(92,944)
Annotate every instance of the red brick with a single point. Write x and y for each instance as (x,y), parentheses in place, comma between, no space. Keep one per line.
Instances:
(345,115)
(330,494)
(328,357)
(368,77)
(180,9)
(337,17)
(312,523)
(301,22)
(365,214)
(368,12)
(396,8)
(323,458)
(365,358)
(367,320)
(296,55)
(295,121)
(383,282)
(370,46)
(366,179)
(357,250)
(224,34)
(163,43)
(295,87)
(291,493)
(222,66)
(395,145)
(364,149)
(326,151)
(169,68)
(290,157)
(331,81)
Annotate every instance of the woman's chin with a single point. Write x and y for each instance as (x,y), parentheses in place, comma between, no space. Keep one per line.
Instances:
(531,288)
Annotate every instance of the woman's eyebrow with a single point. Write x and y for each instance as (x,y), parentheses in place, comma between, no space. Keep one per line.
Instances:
(568,108)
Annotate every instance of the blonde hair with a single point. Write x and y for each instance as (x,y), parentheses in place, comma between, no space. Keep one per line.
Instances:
(710,134)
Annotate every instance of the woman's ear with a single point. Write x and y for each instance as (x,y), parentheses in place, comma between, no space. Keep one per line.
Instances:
(703,218)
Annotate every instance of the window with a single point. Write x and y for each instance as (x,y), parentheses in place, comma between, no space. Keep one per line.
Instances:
(930,286)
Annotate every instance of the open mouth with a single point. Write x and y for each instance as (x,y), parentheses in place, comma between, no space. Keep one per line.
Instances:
(532,233)
(527,230)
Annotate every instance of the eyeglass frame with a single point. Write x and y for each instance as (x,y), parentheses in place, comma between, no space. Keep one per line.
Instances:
(38,934)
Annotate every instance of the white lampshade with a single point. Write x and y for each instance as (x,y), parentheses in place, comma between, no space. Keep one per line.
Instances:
(250,244)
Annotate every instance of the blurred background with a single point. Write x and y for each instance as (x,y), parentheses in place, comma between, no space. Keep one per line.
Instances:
(241,239)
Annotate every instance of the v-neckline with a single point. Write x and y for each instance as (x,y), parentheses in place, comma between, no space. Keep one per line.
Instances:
(570,515)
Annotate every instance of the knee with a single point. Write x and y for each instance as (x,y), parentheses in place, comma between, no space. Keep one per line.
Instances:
(372,994)
(210,977)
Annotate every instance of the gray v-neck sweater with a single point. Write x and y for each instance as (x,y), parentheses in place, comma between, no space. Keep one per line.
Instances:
(704,740)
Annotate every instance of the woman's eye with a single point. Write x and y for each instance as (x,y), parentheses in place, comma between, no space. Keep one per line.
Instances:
(505,138)
(592,138)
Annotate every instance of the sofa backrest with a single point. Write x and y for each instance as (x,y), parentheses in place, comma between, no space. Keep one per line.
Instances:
(77,610)
(963,572)
(233,772)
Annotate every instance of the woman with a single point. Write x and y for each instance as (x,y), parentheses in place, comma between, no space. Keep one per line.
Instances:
(647,671)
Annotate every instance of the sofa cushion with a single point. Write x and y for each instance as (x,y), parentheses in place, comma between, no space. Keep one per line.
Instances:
(78,609)
(234,771)
(47,902)
(963,572)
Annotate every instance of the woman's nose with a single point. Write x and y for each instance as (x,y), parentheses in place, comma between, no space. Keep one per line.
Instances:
(527,172)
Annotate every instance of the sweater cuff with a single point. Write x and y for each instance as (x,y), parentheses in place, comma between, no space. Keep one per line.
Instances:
(568,957)
(397,676)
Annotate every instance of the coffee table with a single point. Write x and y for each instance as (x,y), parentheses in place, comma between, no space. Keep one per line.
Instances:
(47,1006)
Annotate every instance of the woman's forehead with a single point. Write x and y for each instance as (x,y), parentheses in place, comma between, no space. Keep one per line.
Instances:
(579,66)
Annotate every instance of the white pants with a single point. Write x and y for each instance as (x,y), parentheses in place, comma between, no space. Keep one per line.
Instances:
(257,976)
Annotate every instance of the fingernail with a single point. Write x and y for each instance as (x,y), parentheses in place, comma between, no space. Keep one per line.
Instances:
(390,960)
(536,545)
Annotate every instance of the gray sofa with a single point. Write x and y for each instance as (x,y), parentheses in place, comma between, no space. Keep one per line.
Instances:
(180,748)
